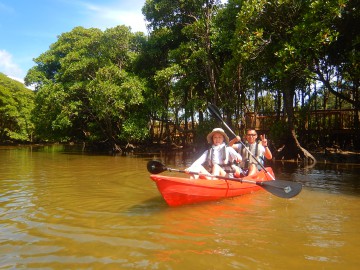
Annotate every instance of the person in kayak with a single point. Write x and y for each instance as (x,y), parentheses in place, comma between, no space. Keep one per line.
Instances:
(219,158)
(258,149)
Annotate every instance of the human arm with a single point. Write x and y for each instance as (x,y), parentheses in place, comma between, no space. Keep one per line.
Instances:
(264,143)
(233,141)
(234,155)
(194,167)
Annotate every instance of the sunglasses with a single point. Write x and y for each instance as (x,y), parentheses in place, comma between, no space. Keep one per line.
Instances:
(252,135)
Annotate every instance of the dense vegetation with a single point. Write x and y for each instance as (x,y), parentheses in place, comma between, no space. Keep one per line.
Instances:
(119,87)
(16,104)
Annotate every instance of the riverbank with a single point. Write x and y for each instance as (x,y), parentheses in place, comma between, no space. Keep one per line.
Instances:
(335,155)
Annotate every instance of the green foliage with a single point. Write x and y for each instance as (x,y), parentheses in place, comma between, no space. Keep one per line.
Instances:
(83,89)
(111,96)
(202,130)
(279,131)
(135,128)
(245,56)
(50,116)
(16,103)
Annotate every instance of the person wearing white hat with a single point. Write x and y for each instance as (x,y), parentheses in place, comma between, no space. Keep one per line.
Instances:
(219,157)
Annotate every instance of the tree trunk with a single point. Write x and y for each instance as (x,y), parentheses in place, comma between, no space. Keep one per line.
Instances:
(292,149)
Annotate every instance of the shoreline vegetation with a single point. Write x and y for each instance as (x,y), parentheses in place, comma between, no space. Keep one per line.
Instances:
(329,154)
(335,155)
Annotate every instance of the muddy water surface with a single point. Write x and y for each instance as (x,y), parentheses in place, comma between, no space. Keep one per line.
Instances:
(62,209)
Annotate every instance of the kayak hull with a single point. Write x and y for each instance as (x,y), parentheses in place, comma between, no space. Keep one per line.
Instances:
(178,191)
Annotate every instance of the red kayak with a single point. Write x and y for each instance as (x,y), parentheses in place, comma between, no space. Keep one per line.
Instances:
(178,191)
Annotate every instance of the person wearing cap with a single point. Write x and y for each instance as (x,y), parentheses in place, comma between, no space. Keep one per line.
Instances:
(259,150)
(219,158)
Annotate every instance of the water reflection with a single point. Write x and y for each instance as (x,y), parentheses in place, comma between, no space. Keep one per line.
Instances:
(65,209)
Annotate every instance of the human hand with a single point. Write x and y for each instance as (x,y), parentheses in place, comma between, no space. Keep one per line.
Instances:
(264,141)
(234,140)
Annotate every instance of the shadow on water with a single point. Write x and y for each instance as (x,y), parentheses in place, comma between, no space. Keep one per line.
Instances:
(147,207)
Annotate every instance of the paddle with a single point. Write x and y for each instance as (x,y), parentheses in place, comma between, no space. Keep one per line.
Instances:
(280,188)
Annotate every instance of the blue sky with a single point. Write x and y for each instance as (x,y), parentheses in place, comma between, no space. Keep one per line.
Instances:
(28,28)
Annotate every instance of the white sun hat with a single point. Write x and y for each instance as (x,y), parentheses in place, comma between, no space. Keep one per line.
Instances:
(217,130)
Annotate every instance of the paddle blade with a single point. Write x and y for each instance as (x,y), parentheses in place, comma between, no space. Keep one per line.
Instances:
(280,188)
(155,167)
(215,111)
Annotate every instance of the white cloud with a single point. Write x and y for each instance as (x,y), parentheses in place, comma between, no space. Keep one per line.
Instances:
(9,68)
(109,16)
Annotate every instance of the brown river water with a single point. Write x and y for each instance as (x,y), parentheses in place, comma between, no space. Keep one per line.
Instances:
(64,209)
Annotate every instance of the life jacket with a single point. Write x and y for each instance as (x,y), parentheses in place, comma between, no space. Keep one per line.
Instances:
(246,155)
(224,155)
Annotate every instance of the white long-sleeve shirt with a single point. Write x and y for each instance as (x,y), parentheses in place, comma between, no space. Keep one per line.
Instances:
(217,157)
